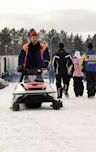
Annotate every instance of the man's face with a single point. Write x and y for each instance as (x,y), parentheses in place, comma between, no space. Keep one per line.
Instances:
(34,39)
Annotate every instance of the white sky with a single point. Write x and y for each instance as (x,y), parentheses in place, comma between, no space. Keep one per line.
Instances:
(34,6)
(46,14)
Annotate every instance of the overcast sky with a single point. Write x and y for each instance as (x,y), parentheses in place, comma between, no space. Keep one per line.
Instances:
(73,16)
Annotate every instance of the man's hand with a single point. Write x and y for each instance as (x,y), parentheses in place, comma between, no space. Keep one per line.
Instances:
(39,70)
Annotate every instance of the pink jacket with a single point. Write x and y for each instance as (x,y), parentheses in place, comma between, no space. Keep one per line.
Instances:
(77,71)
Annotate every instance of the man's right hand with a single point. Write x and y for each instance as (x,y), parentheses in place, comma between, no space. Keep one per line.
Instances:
(39,70)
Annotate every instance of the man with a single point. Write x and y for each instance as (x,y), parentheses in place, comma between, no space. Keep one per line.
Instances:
(62,63)
(34,55)
(88,65)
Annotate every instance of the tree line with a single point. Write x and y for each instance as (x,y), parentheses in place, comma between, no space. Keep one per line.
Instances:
(11,40)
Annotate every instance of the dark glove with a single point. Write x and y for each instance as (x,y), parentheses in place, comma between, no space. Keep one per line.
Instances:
(34,71)
(44,65)
(83,70)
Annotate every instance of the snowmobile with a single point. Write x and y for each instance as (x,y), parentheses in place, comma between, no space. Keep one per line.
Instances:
(34,90)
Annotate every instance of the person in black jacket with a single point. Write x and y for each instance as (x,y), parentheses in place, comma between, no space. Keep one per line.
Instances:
(62,63)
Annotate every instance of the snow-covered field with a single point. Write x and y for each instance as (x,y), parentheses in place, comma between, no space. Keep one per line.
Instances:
(71,129)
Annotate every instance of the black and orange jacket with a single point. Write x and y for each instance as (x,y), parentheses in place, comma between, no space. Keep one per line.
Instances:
(34,56)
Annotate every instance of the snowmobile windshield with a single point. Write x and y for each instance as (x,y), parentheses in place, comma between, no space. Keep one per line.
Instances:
(37,78)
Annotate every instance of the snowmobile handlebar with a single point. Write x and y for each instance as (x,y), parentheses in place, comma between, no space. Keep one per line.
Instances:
(30,71)
(34,71)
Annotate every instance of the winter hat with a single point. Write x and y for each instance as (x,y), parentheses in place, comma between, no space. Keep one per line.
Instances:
(34,33)
(77,54)
(61,45)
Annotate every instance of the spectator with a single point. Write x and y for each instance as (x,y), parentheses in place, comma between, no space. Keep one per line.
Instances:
(62,63)
(77,75)
(88,65)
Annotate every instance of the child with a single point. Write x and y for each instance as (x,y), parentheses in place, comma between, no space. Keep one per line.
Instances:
(77,75)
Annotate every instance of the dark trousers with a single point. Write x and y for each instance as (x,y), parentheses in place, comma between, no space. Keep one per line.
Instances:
(78,85)
(91,83)
(59,79)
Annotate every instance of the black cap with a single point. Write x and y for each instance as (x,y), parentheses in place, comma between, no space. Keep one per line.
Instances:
(61,45)
(90,46)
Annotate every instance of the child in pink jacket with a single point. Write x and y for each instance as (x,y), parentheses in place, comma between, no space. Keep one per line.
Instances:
(77,75)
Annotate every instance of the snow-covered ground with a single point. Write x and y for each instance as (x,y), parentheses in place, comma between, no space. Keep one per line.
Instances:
(71,129)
